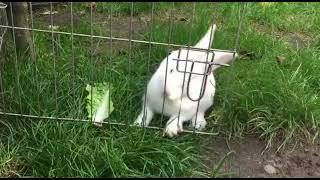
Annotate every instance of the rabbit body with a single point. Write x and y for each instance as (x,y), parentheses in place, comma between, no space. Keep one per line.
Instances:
(167,89)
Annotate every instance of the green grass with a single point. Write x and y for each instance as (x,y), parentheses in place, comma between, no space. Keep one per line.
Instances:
(264,97)
(46,150)
(255,95)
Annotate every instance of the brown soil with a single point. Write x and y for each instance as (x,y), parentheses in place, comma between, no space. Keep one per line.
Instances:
(249,159)
(295,40)
(121,26)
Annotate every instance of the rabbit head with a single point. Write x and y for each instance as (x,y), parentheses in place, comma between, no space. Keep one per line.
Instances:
(178,70)
(175,78)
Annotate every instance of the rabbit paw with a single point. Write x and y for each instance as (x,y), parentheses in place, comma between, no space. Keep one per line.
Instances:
(98,124)
(200,124)
(138,122)
(173,129)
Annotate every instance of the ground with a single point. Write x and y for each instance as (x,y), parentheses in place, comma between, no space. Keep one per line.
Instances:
(251,154)
(250,157)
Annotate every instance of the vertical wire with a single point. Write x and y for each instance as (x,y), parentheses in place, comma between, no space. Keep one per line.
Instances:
(204,75)
(2,93)
(185,69)
(110,63)
(129,62)
(272,34)
(54,59)
(35,60)
(1,77)
(16,58)
(237,42)
(91,61)
(73,60)
(241,14)
(148,65)
(236,46)
(273,44)
(168,53)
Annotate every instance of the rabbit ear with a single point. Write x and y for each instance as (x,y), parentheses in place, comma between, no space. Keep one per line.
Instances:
(223,58)
(207,39)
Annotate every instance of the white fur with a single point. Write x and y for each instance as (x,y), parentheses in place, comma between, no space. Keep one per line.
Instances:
(174,83)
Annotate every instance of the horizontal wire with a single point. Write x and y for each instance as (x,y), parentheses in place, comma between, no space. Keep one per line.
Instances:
(4,5)
(44,3)
(113,38)
(84,120)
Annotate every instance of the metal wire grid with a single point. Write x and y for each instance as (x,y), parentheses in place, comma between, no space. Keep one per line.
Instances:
(111,38)
(3,20)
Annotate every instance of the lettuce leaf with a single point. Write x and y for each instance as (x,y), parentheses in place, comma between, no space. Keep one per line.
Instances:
(100,101)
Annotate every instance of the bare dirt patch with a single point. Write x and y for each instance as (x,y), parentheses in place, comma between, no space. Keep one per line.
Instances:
(295,40)
(250,159)
(118,26)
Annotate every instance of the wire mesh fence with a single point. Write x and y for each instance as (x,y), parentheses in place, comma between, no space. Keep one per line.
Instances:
(78,47)
(3,21)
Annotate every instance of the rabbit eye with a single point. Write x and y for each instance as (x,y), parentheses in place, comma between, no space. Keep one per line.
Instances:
(171,70)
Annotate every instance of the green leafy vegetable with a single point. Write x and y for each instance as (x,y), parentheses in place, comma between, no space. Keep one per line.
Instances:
(100,101)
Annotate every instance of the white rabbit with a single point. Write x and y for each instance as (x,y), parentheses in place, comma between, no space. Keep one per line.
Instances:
(172,87)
